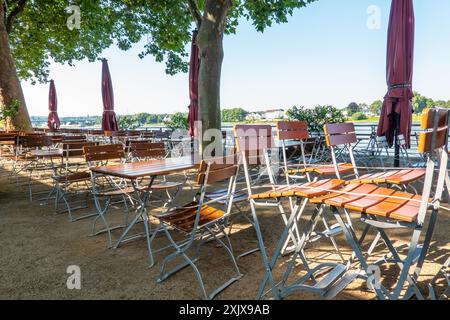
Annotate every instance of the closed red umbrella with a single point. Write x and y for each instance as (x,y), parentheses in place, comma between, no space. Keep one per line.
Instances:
(194,68)
(53,119)
(109,121)
(396,114)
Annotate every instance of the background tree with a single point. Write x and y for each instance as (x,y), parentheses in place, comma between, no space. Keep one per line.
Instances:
(359,116)
(376,106)
(127,123)
(234,115)
(352,108)
(316,117)
(33,32)
(178,121)
(420,102)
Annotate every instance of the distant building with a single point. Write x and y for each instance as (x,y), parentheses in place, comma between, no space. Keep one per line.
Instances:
(274,114)
(255,116)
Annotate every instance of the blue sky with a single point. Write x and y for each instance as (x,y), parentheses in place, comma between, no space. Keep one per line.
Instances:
(326,54)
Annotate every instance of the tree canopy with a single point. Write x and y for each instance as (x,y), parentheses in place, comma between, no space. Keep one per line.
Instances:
(316,117)
(234,115)
(38,31)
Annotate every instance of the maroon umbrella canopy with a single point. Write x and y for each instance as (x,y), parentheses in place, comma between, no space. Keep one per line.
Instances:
(109,122)
(399,73)
(194,68)
(53,119)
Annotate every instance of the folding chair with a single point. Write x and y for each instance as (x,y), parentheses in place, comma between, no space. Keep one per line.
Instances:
(144,151)
(289,131)
(255,143)
(298,131)
(74,138)
(70,175)
(34,164)
(107,188)
(342,135)
(201,221)
(239,197)
(386,209)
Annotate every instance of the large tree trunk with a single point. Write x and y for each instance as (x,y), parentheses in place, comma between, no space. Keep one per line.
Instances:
(10,88)
(210,42)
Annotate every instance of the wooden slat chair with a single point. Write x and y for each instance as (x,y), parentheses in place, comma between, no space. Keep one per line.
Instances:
(257,141)
(38,168)
(201,221)
(343,135)
(144,151)
(273,198)
(105,187)
(386,209)
(254,143)
(74,138)
(148,135)
(298,131)
(128,146)
(73,173)
(288,131)
(7,147)
(239,197)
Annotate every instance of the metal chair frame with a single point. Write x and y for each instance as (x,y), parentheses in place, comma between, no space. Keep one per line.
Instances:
(205,232)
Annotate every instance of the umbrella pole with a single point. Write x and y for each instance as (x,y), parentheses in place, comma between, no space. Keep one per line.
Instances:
(397,142)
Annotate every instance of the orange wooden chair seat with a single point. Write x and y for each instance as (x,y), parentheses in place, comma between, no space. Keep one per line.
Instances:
(184,218)
(165,185)
(73,177)
(404,176)
(324,170)
(374,200)
(307,190)
(118,192)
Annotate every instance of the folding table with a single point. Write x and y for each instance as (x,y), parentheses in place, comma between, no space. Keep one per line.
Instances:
(146,169)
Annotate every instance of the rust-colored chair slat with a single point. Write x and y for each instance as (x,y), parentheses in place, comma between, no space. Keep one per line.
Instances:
(340,139)
(103,152)
(428,118)
(426,138)
(218,175)
(374,198)
(292,130)
(348,188)
(406,177)
(359,192)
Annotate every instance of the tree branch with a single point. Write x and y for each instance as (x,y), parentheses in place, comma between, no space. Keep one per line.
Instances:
(14,13)
(195,11)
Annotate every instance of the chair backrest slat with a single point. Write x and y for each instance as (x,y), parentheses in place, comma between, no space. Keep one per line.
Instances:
(35,141)
(76,149)
(292,130)
(435,122)
(140,149)
(104,152)
(220,169)
(426,140)
(78,138)
(253,140)
(429,116)
(340,134)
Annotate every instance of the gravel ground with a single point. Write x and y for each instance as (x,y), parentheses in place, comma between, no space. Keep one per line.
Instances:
(37,247)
